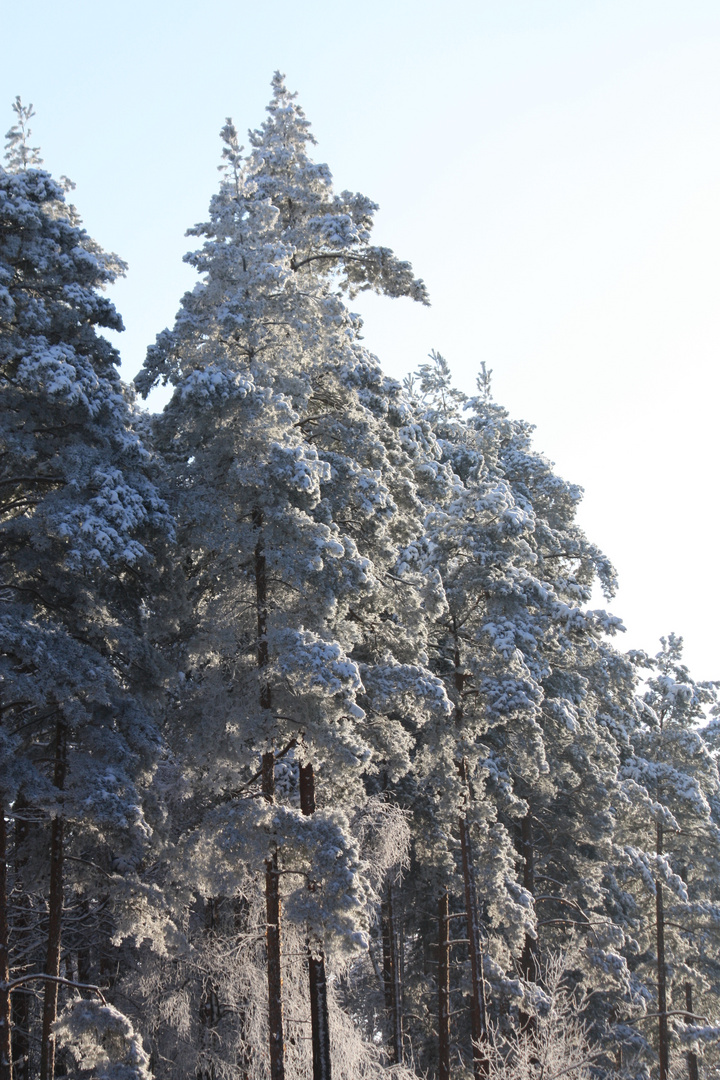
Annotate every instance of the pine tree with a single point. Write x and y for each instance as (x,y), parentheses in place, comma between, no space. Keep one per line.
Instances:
(539,695)
(670,843)
(309,619)
(80,520)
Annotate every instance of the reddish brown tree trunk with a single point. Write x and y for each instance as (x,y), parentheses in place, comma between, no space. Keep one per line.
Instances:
(444,986)
(55,904)
(5,1008)
(272,877)
(663,1045)
(319,1014)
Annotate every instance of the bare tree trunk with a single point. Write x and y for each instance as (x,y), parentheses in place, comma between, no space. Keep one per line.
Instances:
(478,1013)
(692,1058)
(530,963)
(272,877)
(663,1050)
(392,976)
(530,959)
(319,1015)
(209,1012)
(5,1008)
(55,904)
(21,998)
(443,978)
(272,908)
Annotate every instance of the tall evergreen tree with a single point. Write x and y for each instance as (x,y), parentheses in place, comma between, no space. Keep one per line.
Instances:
(669,841)
(539,695)
(311,622)
(79,520)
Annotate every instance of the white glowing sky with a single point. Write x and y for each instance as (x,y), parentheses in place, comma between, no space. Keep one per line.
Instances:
(552,169)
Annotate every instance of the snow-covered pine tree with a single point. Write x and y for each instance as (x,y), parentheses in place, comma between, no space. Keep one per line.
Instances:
(539,694)
(669,846)
(310,619)
(79,519)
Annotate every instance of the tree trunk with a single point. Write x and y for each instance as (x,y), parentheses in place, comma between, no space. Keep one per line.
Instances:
(530,959)
(272,909)
(392,977)
(663,1050)
(529,962)
(55,904)
(478,1015)
(443,978)
(319,1016)
(209,1012)
(692,1058)
(5,1009)
(22,997)
(272,877)
(481,1064)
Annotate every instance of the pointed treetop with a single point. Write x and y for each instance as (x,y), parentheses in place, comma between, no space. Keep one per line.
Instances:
(232,163)
(18,152)
(484,382)
(286,117)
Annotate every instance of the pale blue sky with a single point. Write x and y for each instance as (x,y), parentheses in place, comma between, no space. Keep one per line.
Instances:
(552,169)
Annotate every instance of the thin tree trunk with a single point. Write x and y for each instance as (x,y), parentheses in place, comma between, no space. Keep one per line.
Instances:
(443,978)
(272,877)
(319,1015)
(663,1051)
(273,911)
(5,1008)
(22,997)
(84,966)
(55,904)
(209,1012)
(392,976)
(530,960)
(478,1012)
(692,1058)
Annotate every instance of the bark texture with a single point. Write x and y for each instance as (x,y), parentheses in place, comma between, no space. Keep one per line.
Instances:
(444,986)
(481,1064)
(5,1009)
(55,904)
(319,1013)
(272,878)
(692,1058)
(663,1047)
(392,976)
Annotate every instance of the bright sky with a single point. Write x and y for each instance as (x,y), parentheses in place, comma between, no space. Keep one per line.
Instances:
(550,167)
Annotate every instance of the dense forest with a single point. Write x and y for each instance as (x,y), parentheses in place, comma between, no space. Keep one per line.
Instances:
(315,760)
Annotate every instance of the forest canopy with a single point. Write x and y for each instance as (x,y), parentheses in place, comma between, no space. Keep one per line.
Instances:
(315,759)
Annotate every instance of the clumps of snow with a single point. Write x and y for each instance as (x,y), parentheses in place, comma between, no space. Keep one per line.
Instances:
(103,1041)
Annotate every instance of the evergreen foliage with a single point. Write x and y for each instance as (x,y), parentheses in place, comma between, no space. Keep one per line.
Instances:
(314,759)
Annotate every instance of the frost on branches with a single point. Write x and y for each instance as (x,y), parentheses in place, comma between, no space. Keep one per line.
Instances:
(322,777)
(81,523)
